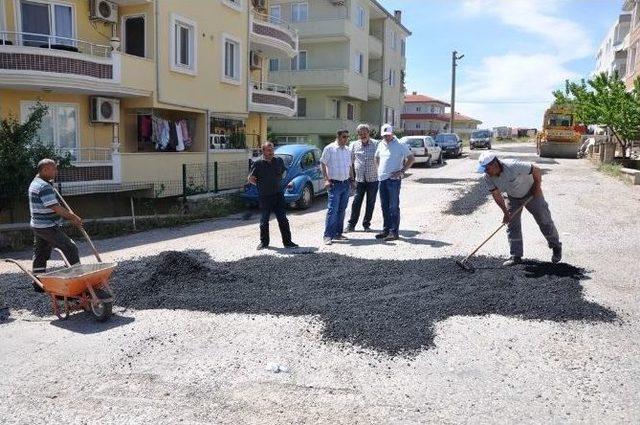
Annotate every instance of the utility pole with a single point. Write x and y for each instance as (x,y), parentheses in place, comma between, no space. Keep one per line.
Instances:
(454,64)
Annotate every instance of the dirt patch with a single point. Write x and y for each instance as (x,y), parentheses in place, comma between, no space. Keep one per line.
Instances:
(384,305)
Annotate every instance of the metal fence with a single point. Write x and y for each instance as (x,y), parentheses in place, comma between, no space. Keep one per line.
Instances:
(218,176)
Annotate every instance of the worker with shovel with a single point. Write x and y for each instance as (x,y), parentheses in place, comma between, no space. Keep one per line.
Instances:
(522,182)
(46,212)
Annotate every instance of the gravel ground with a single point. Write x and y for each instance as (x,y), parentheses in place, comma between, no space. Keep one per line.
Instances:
(206,331)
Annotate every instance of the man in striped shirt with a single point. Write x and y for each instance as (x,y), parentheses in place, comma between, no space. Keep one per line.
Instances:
(46,212)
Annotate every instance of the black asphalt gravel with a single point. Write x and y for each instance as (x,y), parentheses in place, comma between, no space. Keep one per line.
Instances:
(384,305)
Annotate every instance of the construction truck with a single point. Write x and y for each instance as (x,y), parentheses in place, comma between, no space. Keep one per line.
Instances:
(561,134)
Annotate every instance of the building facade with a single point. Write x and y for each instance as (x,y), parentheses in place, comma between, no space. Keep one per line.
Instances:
(136,88)
(350,67)
(424,115)
(612,54)
(632,40)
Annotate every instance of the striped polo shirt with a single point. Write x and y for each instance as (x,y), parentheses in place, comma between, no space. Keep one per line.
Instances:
(41,197)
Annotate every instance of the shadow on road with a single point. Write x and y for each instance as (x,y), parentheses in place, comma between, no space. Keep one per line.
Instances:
(385,305)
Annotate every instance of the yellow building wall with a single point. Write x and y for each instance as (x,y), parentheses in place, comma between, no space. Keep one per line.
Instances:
(89,135)
(256,129)
(205,90)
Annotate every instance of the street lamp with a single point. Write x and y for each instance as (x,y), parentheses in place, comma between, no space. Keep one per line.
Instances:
(454,63)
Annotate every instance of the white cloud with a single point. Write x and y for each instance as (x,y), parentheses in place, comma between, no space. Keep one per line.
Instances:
(525,76)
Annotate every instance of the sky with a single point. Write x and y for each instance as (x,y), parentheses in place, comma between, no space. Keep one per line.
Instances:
(516,51)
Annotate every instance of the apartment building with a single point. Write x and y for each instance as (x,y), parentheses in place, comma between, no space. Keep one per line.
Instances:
(136,88)
(612,54)
(350,67)
(633,42)
(424,115)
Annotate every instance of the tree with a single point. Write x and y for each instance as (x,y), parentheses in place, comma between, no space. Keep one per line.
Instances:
(20,152)
(605,101)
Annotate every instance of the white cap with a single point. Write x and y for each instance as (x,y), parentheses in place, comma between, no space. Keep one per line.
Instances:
(485,159)
(386,130)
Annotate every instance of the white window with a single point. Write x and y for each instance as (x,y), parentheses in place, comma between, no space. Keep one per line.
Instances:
(274,64)
(299,62)
(360,16)
(183,45)
(337,106)
(234,4)
(350,111)
(59,126)
(48,19)
(418,108)
(392,77)
(231,61)
(358,63)
(403,47)
(299,12)
(393,40)
(275,14)
(418,126)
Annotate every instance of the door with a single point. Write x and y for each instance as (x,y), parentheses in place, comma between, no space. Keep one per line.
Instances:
(318,179)
(134,36)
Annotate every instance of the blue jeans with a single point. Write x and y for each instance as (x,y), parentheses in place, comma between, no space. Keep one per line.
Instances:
(390,203)
(337,204)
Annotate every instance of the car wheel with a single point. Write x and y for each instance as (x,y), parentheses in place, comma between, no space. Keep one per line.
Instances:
(489,147)
(440,159)
(306,199)
(459,153)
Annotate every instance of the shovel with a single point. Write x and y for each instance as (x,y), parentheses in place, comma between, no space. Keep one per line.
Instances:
(464,265)
(84,232)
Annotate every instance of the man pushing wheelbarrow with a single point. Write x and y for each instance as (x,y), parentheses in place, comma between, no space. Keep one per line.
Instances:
(46,212)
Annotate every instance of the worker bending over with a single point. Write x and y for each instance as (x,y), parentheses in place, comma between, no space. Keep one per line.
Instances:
(521,181)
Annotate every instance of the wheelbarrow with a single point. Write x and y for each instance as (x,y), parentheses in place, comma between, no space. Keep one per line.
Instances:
(78,287)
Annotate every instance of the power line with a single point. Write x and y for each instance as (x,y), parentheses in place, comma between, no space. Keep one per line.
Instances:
(506,102)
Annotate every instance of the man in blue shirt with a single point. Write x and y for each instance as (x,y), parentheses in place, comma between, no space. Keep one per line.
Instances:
(46,212)
(392,159)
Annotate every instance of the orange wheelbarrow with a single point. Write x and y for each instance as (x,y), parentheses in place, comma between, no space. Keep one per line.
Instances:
(78,287)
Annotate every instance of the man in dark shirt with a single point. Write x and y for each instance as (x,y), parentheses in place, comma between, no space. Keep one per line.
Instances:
(267,174)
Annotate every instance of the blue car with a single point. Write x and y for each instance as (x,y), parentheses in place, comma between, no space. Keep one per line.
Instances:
(303,180)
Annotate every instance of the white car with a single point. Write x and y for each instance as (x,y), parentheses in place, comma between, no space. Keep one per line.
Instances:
(424,149)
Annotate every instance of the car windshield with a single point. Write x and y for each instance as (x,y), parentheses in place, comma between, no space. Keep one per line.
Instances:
(288,159)
(414,142)
(446,138)
(560,120)
(481,134)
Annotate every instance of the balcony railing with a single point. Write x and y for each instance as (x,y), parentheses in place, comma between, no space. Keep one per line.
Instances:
(279,88)
(53,42)
(81,156)
(273,35)
(275,99)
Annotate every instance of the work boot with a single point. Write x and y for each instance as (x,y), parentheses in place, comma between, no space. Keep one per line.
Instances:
(262,246)
(391,237)
(341,238)
(382,235)
(328,241)
(512,261)
(290,245)
(557,254)
(349,229)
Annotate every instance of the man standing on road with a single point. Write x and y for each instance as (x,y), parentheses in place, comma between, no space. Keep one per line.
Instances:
(336,169)
(520,180)
(267,174)
(46,212)
(392,159)
(363,152)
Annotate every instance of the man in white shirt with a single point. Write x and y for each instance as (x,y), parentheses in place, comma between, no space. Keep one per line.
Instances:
(393,159)
(336,169)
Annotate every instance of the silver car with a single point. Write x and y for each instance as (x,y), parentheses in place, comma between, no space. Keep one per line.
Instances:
(424,149)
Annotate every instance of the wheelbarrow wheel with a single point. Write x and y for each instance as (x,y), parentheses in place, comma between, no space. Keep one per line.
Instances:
(101,310)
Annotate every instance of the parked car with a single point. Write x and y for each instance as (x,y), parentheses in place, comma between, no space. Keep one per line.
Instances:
(424,149)
(450,143)
(481,139)
(303,180)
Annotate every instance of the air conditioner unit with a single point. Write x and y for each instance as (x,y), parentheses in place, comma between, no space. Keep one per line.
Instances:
(260,4)
(255,61)
(103,10)
(105,110)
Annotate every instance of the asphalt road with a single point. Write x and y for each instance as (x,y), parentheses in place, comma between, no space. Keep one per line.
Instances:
(356,335)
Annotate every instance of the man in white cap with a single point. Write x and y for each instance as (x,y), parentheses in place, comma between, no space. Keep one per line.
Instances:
(521,181)
(392,159)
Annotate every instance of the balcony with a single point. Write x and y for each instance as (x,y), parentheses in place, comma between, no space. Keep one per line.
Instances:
(272,99)
(375,47)
(306,126)
(374,89)
(313,78)
(272,36)
(43,62)
(325,30)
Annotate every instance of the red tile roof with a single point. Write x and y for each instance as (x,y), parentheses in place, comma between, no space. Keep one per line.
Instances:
(420,98)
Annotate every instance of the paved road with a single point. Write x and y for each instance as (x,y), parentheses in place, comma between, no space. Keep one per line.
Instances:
(191,365)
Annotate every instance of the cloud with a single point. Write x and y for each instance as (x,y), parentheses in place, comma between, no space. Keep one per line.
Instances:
(523,76)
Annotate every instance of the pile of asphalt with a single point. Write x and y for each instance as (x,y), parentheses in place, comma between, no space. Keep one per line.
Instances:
(384,305)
